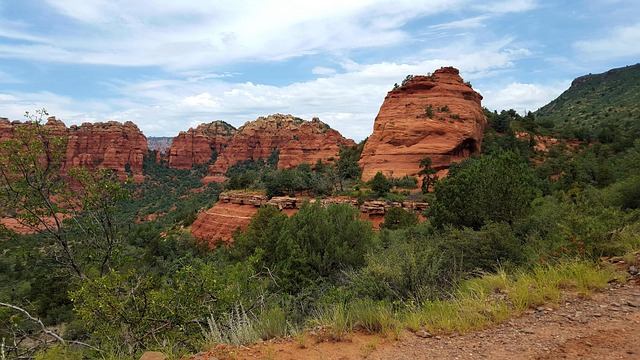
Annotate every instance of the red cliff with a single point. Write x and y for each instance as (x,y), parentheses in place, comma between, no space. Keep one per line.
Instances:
(439,116)
(119,147)
(113,145)
(297,141)
(197,146)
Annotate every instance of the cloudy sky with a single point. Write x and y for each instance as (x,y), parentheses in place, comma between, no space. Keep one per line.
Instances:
(168,65)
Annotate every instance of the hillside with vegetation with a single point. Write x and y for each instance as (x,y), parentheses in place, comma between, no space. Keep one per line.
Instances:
(110,269)
(597,107)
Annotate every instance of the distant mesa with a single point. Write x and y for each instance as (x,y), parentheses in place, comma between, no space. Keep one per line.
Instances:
(294,140)
(439,116)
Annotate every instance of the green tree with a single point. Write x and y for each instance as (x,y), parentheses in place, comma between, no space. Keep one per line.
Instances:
(75,211)
(429,177)
(380,184)
(491,188)
(399,218)
(347,164)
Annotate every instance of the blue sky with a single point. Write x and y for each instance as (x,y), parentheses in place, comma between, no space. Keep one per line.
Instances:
(169,65)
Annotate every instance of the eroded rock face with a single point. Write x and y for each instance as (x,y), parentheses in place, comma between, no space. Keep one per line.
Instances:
(439,116)
(196,146)
(119,147)
(113,145)
(297,141)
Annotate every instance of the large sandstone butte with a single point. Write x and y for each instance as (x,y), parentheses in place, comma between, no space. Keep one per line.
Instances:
(197,146)
(439,116)
(297,141)
(113,145)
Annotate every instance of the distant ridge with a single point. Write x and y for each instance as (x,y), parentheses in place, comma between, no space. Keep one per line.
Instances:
(595,104)
(160,143)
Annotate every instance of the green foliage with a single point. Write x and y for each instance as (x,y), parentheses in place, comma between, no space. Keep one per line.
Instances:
(314,243)
(128,311)
(380,184)
(59,352)
(406,80)
(404,182)
(75,212)
(260,235)
(399,218)
(599,107)
(346,167)
(273,159)
(428,111)
(429,177)
(478,191)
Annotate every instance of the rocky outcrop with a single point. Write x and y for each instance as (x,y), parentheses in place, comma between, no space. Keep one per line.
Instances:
(295,140)
(113,145)
(439,116)
(234,210)
(197,146)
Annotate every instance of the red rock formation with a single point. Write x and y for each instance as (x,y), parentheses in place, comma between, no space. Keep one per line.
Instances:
(298,141)
(219,222)
(196,146)
(113,145)
(439,116)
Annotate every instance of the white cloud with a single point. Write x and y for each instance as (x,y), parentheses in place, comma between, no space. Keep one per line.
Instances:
(321,70)
(192,34)
(473,22)
(6,78)
(521,97)
(197,43)
(619,42)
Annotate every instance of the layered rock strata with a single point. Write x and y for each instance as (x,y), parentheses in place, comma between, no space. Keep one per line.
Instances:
(113,145)
(197,146)
(295,141)
(439,116)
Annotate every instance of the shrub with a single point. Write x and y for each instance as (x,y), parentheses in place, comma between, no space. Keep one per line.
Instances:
(490,188)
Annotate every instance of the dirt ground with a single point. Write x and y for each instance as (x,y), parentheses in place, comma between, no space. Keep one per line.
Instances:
(606,326)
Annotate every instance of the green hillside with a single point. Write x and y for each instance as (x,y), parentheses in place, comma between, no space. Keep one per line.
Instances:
(596,107)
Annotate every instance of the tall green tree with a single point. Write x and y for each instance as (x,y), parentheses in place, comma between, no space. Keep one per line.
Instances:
(380,184)
(491,188)
(429,177)
(346,167)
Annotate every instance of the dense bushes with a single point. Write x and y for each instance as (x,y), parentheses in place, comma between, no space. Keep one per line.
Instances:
(313,244)
(490,188)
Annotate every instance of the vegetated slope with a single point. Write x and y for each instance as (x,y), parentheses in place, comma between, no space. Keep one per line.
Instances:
(595,106)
